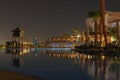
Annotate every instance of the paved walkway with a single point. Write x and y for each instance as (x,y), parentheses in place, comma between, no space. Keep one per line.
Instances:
(7,75)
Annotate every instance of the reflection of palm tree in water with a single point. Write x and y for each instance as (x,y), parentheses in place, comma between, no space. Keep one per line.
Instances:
(103,69)
(94,65)
(114,68)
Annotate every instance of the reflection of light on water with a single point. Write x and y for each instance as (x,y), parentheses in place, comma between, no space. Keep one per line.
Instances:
(76,63)
(2,49)
(116,60)
(21,53)
(63,55)
(89,63)
(103,58)
(58,49)
(26,50)
(85,56)
(14,50)
(89,57)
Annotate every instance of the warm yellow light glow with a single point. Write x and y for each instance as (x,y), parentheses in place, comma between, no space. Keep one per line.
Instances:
(26,51)
(89,57)
(72,36)
(21,52)
(78,36)
(113,39)
(26,43)
(103,57)
(3,47)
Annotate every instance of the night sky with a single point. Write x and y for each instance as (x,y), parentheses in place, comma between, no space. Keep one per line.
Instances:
(46,18)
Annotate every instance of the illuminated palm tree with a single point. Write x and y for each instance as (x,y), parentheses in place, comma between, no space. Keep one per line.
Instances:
(95,15)
(113,32)
(102,10)
(75,30)
(87,34)
(66,35)
(101,30)
(82,35)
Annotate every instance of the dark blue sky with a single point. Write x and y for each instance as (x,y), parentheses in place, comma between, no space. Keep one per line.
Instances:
(46,18)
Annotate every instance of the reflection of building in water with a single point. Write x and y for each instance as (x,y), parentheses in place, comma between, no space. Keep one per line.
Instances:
(18,40)
(35,51)
(17,55)
(65,55)
(99,67)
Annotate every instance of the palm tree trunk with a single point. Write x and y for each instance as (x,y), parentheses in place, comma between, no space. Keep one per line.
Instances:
(102,9)
(87,35)
(118,32)
(101,29)
(82,36)
(96,31)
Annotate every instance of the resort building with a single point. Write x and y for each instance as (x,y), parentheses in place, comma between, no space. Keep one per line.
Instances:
(64,41)
(17,38)
(112,19)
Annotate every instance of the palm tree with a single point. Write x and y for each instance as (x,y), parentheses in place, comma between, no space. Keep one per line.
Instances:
(101,29)
(75,30)
(87,34)
(75,33)
(118,32)
(82,35)
(113,32)
(102,10)
(96,17)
